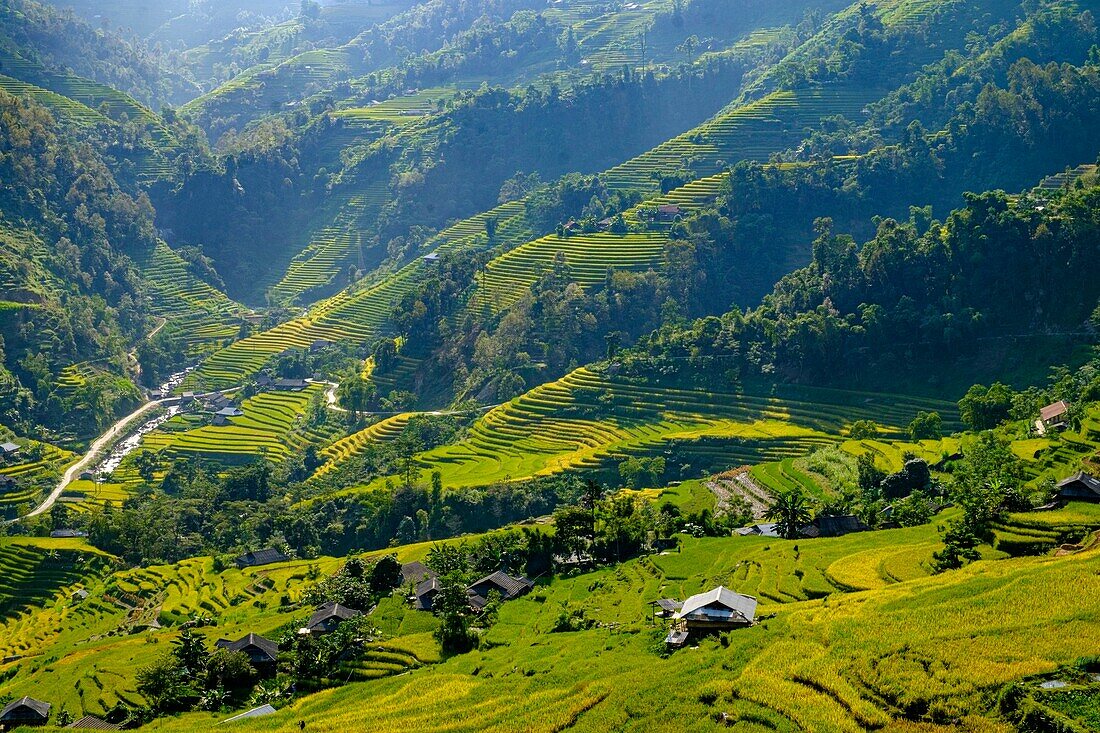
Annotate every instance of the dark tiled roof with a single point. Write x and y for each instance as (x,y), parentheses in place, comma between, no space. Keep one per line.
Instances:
(1081,480)
(425,593)
(331,611)
(91,722)
(829,526)
(415,572)
(266,556)
(42,708)
(509,587)
(268,647)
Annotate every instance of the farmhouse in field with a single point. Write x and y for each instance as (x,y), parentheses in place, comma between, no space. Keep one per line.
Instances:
(416,572)
(7,483)
(255,558)
(8,449)
(431,258)
(262,653)
(91,722)
(319,345)
(508,586)
(1079,487)
(758,530)
(290,385)
(221,417)
(830,526)
(669,212)
(326,618)
(24,711)
(425,594)
(716,610)
(1052,417)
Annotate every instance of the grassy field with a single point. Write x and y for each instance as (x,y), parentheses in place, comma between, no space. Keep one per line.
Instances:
(855,635)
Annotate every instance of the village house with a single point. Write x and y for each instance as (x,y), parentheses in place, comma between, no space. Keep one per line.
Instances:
(1078,487)
(255,558)
(8,450)
(7,483)
(221,417)
(1052,417)
(290,385)
(718,609)
(425,593)
(319,345)
(91,722)
(432,258)
(508,586)
(833,526)
(24,711)
(766,529)
(261,652)
(326,618)
(669,212)
(67,534)
(414,573)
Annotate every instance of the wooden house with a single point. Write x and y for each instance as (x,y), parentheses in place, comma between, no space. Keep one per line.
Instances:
(508,586)
(1079,487)
(1052,417)
(8,449)
(326,618)
(718,609)
(424,596)
(25,711)
(255,558)
(261,652)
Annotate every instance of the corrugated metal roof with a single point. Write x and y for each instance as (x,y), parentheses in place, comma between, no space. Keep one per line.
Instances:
(744,606)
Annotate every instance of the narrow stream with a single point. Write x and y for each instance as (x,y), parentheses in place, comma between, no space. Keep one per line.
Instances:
(133,439)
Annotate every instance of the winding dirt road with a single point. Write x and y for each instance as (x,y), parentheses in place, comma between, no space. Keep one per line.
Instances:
(94,452)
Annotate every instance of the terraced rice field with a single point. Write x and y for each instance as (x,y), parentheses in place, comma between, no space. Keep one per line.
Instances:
(751,131)
(35,570)
(272,425)
(32,476)
(84,101)
(331,249)
(64,108)
(589,421)
(199,314)
(343,449)
(399,110)
(588,256)
(356,314)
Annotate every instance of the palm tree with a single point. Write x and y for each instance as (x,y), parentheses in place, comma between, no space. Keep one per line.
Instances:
(790,511)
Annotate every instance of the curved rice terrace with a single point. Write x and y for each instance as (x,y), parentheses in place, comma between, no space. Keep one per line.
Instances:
(359,313)
(32,476)
(589,421)
(341,450)
(273,424)
(755,131)
(90,103)
(331,248)
(198,313)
